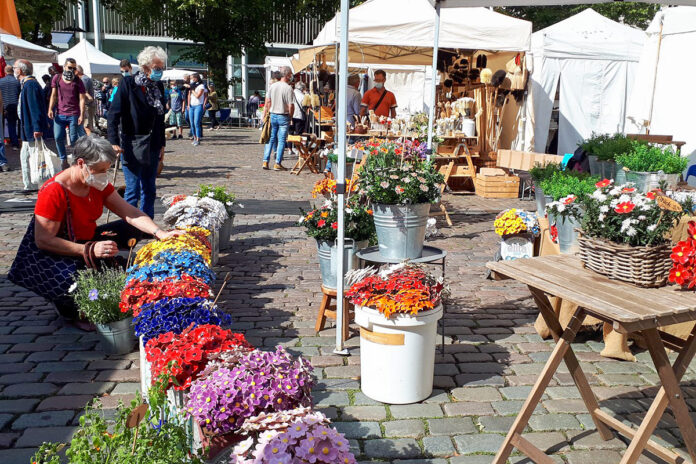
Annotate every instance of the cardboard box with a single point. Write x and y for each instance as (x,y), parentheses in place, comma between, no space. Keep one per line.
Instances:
(524,161)
(497,186)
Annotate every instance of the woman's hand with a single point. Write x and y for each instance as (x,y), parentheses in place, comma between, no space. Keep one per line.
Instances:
(105,249)
(165,234)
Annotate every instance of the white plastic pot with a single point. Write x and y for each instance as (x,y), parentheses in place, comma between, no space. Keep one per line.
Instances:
(397,355)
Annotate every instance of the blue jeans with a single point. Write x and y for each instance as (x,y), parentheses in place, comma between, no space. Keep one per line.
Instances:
(279,135)
(11,121)
(197,120)
(187,117)
(60,123)
(141,180)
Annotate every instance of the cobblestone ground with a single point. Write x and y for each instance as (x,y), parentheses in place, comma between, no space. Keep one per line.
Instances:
(49,371)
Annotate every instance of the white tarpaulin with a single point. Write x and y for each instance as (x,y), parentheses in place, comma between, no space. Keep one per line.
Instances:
(92,60)
(593,60)
(659,87)
(13,48)
(175,74)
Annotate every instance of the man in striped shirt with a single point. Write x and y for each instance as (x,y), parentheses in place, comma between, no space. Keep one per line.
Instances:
(9,86)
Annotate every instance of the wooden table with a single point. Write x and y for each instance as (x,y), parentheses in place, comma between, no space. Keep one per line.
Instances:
(628,309)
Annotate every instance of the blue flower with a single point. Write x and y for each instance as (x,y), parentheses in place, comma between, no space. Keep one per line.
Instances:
(93,294)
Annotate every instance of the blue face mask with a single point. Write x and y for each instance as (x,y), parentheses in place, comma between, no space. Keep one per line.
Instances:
(155,75)
(125,73)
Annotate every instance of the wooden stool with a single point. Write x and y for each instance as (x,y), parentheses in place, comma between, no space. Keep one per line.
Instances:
(329,310)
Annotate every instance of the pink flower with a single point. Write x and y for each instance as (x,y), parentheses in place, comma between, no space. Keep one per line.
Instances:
(399,189)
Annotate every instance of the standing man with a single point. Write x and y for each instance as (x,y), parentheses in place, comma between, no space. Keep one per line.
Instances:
(106,89)
(67,108)
(186,109)
(33,120)
(9,86)
(126,68)
(354,99)
(279,102)
(379,99)
(90,124)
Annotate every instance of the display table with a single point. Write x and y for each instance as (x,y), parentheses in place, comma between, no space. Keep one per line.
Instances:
(628,309)
(431,255)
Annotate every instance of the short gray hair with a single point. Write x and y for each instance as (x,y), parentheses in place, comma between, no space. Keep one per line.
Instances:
(149,53)
(26,67)
(300,86)
(93,150)
(353,79)
(285,71)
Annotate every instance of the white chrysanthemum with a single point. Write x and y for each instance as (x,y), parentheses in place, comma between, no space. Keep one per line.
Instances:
(631,232)
(625,225)
(652,227)
(604,209)
(601,217)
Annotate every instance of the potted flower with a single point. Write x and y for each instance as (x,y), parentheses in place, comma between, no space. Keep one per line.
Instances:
(194,240)
(624,234)
(602,151)
(648,165)
(97,296)
(540,173)
(683,272)
(173,264)
(397,311)
(350,163)
(220,194)
(401,188)
(517,229)
(139,293)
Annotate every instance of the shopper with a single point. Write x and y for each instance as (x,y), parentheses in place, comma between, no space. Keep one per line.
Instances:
(213,106)
(4,167)
(175,107)
(113,90)
(196,99)
(354,99)
(67,107)
(106,91)
(298,117)
(9,86)
(136,128)
(185,89)
(34,121)
(90,123)
(379,99)
(279,102)
(126,68)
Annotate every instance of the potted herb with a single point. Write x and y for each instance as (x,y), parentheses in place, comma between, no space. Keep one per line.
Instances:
(401,187)
(397,311)
(540,173)
(220,194)
(591,148)
(647,165)
(97,294)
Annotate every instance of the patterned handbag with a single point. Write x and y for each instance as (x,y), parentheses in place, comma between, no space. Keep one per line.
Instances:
(46,274)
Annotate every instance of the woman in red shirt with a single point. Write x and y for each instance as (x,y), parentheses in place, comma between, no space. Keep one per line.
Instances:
(84,190)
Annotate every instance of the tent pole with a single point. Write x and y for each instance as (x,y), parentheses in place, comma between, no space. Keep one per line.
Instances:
(433,100)
(341,110)
(657,62)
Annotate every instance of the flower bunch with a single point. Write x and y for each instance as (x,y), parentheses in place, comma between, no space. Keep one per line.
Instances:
(262,381)
(683,256)
(622,214)
(185,355)
(203,212)
(404,288)
(218,193)
(171,200)
(322,223)
(324,186)
(148,254)
(509,222)
(567,206)
(175,315)
(96,294)
(173,265)
(308,439)
(142,292)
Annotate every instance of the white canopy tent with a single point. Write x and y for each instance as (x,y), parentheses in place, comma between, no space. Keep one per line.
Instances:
(593,60)
(12,48)
(659,101)
(93,61)
(175,74)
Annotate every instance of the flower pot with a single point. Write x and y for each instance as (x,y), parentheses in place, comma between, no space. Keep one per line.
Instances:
(349,170)
(219,447)
(401,229)
(116,337)
(608,169)
(567,234)
(647,181)
(514,246)
(397,354)
(620,178)
(145,370)
(540,199)
(225,233)
(595,168)
(215,245)
(328,259)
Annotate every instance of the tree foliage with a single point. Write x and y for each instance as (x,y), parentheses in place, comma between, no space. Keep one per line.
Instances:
(635,14)
(38,17)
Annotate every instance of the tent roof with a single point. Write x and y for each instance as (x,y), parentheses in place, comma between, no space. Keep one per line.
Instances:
(92,60)
(675,20)
(176,74)
(589,35)
(13,48)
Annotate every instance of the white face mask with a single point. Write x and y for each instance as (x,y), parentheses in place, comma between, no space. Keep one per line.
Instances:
(379,85)
(98,181)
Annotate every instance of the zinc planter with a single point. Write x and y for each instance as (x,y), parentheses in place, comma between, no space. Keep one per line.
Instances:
(116,337)
(620,178)
(647,181)
(397,354)
(328,259)
(401,229)
(608,169)
(567,234)
(349,170)
(595,168)
(540,198)
(224,236)
(145,370)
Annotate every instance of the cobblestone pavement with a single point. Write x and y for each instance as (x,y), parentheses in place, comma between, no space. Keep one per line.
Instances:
(49,371)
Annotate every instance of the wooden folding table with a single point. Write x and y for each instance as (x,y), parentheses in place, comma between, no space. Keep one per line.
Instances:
(629,309)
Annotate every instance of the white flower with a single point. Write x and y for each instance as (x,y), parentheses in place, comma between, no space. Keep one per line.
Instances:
(642,218)
(624,198)
(72,288)
(349,211)
(604,209)
(615,191)
(601,217)
(211,194)
(652,227)
(631,232)
(301,220)
(598,195)
(561,207)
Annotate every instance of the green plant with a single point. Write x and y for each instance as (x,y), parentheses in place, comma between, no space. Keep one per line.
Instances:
(540,173)
(333,157)
(651,158)
(218,193)
(322,223)
(97,294)
(564,183)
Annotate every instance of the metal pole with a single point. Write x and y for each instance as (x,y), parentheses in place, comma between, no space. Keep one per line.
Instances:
(230,75)
(245,76)
(81,20)
(341,111)
(433,100)
(97,24)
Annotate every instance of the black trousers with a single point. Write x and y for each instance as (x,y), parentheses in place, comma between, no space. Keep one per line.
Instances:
(298,126)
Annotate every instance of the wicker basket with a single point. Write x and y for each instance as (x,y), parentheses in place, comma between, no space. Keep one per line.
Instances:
(640,266)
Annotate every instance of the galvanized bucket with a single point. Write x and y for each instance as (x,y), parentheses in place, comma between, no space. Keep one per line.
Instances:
(620,178)
(349,170)
(540,198)
(328,275)
(647,181)
(328,259)
(595,168)
(225,233)
(608,169)
(567,235)
(401,229)
(116,337)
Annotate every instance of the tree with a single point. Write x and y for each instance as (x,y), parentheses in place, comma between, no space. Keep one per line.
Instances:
(222,27)
(632,13)
(38,17)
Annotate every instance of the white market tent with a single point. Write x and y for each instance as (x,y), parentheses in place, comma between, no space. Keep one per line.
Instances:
(660,100)
(93,61)
(175,74)
(593,61)
(12,48)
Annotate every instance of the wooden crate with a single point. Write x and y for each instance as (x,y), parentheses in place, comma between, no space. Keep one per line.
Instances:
(505,186)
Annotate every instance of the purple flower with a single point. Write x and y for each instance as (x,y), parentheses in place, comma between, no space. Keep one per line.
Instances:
(93,294)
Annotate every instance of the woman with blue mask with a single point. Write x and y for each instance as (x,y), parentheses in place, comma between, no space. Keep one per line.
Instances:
(136,128)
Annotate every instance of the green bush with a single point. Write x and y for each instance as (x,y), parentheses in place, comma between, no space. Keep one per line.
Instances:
(652,158)
(564,183)
(607,147)
(540,173)
(98,294)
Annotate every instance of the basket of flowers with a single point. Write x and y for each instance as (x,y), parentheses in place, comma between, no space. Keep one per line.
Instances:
(517,229)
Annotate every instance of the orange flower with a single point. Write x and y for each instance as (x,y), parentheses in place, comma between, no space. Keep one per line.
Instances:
(325,214)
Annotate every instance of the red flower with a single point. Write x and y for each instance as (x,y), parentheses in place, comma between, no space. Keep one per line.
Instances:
(692,229)
(680,275)
(569,199)
(628,190)
(603,183)
(625,207)
(650,195)
(321,223)
(334,225)
(682,253)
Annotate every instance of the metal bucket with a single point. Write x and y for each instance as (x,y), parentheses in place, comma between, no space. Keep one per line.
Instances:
(349,170)
(328,276)
(116,337)
(567,236)
(595,168)
(620,178)
(540,198)
(401,229)
(225,233)
(328,259)
(608,169)
(647,181)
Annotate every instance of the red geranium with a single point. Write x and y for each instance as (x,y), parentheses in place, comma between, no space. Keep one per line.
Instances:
(334,225)
(650,195)
(683,256)
(681,276)
(625,207)
(628,190)
(603,183)
(321,223)
(186,355)
(682,253)
(141,292)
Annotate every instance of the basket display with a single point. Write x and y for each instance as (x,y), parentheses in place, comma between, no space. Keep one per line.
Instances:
(641,266)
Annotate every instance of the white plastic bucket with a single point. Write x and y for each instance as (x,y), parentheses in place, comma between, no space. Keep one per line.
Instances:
(397,355)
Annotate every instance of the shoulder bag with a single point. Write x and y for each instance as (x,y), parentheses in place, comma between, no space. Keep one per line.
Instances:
(380,100)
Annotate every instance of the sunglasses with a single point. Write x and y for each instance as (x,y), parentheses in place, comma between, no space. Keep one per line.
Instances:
(70,68)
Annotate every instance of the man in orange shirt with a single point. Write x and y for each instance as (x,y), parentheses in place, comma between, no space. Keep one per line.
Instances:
(379,99)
